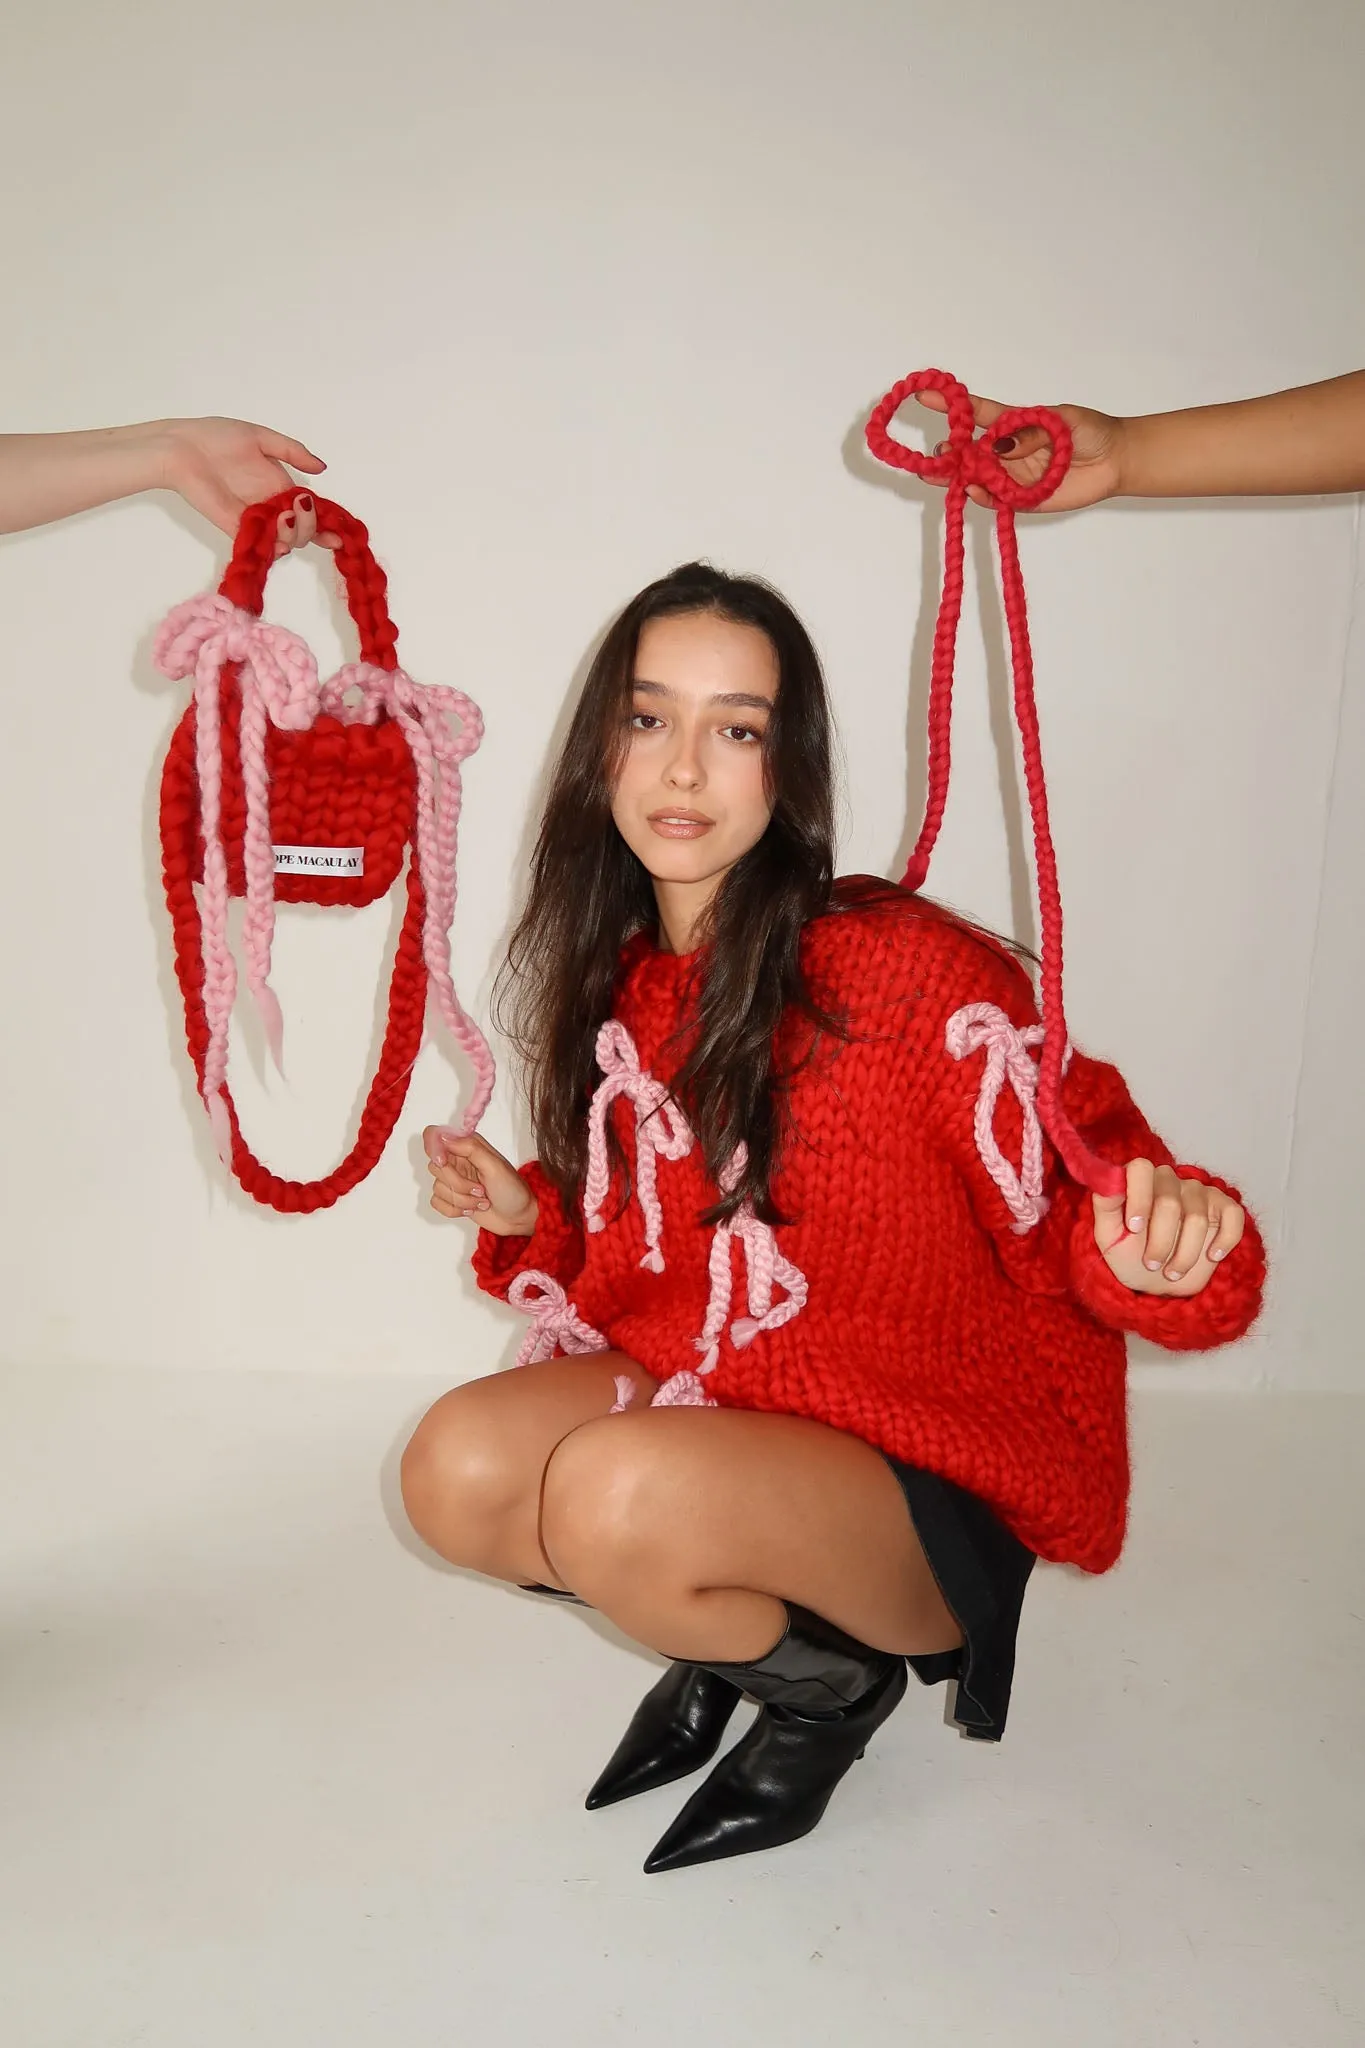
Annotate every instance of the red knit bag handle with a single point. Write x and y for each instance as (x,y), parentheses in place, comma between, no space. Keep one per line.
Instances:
(366,585)
(963,460)
(243,585)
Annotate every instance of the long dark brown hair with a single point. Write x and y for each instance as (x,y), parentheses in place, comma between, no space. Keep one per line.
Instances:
(589,894)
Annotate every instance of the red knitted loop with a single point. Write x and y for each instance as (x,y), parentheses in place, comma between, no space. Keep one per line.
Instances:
(966,460)
(366,584)
(388,1090)
(333,785)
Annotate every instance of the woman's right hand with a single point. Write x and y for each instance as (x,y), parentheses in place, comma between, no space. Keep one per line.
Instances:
(1096,447)
(471,1179)
(221,466)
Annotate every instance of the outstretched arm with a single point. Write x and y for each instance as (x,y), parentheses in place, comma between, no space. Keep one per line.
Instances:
(218,466)
(1301,443)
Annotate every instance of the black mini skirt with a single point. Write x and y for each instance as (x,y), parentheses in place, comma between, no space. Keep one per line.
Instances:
(982,1571)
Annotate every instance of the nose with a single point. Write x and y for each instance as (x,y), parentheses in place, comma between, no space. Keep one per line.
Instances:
(684,770)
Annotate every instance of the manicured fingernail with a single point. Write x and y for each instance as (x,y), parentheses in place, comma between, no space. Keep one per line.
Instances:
(1217,1253)
(306,503)
(1136,1222)
(1006,446)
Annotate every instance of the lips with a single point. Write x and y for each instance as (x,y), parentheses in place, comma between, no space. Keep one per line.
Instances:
(680,824)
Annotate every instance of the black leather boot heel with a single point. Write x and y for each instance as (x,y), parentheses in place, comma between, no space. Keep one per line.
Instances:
(824,1695)
(676,1729)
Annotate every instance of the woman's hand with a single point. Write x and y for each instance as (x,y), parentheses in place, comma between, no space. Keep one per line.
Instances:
(1166,1235)
(471,1179)
(222,466)
(218,466)
(1096,447)
(298,528)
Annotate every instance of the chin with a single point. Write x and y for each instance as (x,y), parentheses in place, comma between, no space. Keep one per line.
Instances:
(675,866)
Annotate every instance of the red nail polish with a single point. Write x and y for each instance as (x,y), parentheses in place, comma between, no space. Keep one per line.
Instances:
(1007,446)
(306,503)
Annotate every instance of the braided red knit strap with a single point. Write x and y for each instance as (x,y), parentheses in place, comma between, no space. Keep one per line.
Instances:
(388,1090)
(366,585)
(965,460)
(244,586)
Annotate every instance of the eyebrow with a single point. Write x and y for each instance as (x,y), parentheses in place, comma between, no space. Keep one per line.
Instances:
(733,700)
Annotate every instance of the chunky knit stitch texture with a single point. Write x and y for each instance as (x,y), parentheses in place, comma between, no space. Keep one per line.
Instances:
(957,1311)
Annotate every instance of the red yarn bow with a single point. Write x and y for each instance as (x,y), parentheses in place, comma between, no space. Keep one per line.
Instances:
(964,460)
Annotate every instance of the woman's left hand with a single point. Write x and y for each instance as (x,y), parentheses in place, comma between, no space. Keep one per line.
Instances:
(1165,1235)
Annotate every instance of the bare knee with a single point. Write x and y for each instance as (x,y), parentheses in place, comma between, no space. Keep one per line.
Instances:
(462,1486)
(604,1509)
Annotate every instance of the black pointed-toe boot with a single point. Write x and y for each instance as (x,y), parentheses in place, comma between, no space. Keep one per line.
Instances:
(676,1729)
(823,1695)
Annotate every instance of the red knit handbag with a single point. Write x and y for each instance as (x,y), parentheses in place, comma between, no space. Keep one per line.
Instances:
(280,787)
(963,460)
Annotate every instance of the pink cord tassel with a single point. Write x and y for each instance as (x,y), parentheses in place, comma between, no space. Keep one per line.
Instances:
(220,969)
(981,1027)
(718,1301)
(278,681)
(766,1268)
(424,713)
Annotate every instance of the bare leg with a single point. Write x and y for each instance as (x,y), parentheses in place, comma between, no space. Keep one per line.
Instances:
(690,1527)
(473,1472)
(697,1531)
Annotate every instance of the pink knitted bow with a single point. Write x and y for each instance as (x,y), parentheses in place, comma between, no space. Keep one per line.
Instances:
(360,693)
(279,683)
(981,1027)
(661,1132)
(765,1269)
(556,1324)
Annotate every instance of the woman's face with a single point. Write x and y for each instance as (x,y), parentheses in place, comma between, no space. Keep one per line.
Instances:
(690,798)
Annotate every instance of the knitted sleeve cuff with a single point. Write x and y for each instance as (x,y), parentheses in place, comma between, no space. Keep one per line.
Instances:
(554,1247)
(1225,1311)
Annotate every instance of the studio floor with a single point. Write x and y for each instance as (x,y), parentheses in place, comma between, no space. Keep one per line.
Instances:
(269,1778)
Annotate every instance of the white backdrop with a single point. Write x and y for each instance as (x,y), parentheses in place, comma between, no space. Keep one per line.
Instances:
(565,295)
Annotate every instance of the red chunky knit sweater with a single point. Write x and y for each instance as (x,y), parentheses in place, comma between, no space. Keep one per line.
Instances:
(938,1323)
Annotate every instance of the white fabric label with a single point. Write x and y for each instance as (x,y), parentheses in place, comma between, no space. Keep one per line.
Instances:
(319,860)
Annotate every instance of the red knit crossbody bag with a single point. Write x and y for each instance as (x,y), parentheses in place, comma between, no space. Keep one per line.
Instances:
(280,787)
